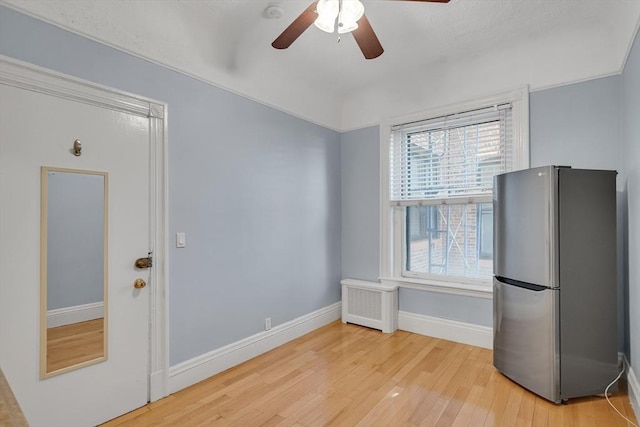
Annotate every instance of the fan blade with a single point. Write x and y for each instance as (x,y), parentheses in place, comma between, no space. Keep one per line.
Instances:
(367,39)
(297,27)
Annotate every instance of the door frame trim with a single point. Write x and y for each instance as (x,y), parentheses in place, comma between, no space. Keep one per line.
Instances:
(31,77)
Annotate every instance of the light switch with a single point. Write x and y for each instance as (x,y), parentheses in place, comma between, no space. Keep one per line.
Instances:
(181,240)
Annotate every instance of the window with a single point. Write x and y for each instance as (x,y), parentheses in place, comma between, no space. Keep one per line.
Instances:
(438,204)
(454,246)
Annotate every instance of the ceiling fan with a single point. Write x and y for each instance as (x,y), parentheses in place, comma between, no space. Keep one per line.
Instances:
(350,18)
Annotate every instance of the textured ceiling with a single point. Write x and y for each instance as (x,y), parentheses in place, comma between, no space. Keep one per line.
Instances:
(435,52)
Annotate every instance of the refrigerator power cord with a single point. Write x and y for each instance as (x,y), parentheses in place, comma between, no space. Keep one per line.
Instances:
(606,395)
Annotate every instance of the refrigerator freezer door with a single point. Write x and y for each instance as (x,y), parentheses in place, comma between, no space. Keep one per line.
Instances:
(523,234)
(525,337)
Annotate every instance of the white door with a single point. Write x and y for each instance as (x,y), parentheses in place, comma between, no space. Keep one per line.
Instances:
(38,129)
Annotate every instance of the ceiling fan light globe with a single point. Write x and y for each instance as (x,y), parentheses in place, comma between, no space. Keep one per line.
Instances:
(325,25)
(352,11)
(327,14)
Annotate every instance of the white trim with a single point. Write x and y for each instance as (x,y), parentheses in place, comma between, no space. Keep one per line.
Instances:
(464,289)
(452,330)
(478,198)
(201,367)
(577,81)
(368,285)
(520,121)
(38,79)
(159,233)
(386,217)
(391,222)
(74,314)
(32,77)
(633,388)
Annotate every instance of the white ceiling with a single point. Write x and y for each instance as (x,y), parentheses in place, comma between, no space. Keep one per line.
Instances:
(434,53)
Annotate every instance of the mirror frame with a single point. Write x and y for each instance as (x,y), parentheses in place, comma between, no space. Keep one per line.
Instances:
(43,270)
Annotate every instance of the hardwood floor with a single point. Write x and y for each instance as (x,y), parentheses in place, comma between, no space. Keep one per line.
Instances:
(346,375)
(75,343)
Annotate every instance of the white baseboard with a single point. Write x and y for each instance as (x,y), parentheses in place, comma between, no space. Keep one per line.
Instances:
(633,388)
(77,313)
(202,367)
(452,330)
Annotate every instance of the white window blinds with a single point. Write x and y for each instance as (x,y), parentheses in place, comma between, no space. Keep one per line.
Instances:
(450,159)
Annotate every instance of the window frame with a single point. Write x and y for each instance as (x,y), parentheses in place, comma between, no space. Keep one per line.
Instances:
(392,219)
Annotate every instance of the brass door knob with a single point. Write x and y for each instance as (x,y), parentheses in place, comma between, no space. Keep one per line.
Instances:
(144,262)
(139,284)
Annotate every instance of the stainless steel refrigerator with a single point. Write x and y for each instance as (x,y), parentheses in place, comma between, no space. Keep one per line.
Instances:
(555,321)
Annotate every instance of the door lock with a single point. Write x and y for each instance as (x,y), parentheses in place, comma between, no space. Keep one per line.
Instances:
(146,262)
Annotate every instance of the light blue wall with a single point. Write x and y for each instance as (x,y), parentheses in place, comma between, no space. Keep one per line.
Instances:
(75,239)
(256,190)
(360,203)
(631,184)
(577,125)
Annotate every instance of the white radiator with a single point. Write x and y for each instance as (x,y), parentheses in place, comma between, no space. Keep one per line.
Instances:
(370,304)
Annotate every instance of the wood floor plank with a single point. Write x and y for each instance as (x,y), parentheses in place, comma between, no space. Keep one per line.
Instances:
(456,401)
(300,408)
(540,414)
(346,375)
(510,414)
(411,402)
(439,383)
(323,413)
(464,416)
(361,406)
(410,365)
(499,401)
(556,415)
(525,410)
(473,386)
(380,408)
(397,412)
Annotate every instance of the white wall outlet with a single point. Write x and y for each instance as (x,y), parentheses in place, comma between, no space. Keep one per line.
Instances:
(267,323)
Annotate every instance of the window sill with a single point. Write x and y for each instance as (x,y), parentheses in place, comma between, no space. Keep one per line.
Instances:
(465,289)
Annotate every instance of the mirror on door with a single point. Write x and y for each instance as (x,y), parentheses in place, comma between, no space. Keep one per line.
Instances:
(73,269)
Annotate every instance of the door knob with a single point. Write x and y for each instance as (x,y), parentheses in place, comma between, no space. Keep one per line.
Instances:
(139,284)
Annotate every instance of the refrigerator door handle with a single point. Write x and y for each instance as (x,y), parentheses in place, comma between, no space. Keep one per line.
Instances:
(524,285)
